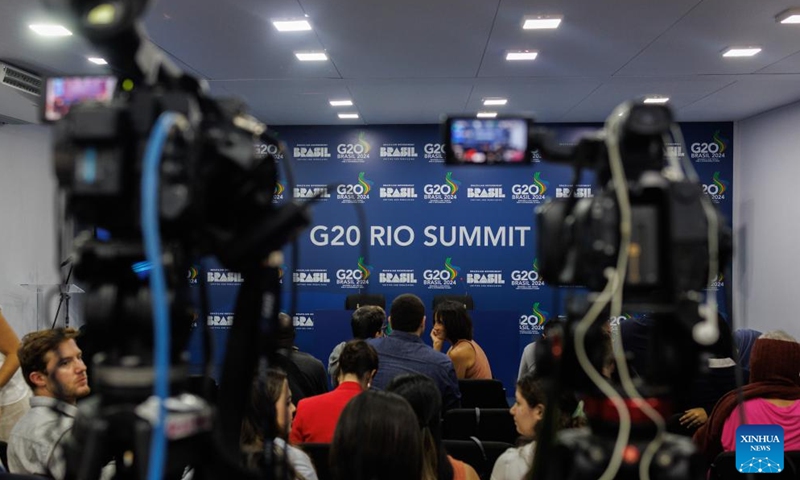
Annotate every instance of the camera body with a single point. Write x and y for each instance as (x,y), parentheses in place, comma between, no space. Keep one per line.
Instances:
(159,139)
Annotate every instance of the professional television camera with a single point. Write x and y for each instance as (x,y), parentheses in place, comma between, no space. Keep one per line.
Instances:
(649,241)
(170,175)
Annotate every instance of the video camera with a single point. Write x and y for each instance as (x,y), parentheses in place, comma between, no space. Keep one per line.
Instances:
(169,175)
(649,241)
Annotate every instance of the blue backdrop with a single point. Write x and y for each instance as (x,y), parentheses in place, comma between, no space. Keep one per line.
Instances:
(431,229)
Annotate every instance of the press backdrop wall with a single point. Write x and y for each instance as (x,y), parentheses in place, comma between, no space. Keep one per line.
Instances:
(431,229)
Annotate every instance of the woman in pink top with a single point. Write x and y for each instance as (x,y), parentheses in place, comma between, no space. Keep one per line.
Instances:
(453,323)
(771,397)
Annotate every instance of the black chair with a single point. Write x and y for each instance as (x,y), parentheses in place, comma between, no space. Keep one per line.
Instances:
(482,394)
(487,424)
(479,455)
(319,453)
(469,304)
(724,467)
(353,302)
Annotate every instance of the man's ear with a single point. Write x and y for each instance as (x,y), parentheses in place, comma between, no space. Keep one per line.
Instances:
(422,325)
(38,378)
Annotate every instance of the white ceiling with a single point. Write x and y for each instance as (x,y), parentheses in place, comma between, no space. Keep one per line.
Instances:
(410,61)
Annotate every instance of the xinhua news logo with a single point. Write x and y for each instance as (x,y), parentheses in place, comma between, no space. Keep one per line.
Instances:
(759,449)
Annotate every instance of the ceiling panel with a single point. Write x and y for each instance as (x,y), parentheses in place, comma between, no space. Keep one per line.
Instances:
(695,44)
(411,61)
(405,39)
(748,95)
(409,100)
(590,41)
(680,90)
(538,97)
(228,40)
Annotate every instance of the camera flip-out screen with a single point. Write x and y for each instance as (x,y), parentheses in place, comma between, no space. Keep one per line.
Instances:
(61,93)
(487,141)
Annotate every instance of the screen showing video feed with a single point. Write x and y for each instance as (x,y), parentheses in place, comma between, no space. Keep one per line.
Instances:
(489,141)
(64,92)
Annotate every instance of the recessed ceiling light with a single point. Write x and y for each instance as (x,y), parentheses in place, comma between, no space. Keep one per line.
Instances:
(49,30)
(341,103)
(292,25)
(97,60)
(541,22)
(741,52)
(656,100)
(348,116)
(311,56)
(522,55)
(494,101)
(789,16)
(487,114)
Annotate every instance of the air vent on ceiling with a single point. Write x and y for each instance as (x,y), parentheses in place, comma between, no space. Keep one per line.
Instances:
(20,79)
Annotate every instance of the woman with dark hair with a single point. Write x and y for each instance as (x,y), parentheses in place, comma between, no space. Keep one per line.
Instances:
(377,438)
(453,323)
(527,411)
(316,416)
(423,395)
(269,415)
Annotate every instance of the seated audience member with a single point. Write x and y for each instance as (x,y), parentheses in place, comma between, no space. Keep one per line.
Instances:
(377,438)
(269,415)
(744,339)
(453,323)
(403,351)
(316,417)
(770,397)
(14,393)
(306,374)
(695,405)
(423,396)
(527,363)
(527,411)
(367,322)
(53,367)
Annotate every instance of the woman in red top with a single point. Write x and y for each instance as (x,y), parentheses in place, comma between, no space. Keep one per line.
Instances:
(453,323)
(316,416)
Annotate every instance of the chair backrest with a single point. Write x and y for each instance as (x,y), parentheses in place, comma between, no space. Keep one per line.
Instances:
(487,424)
(353,302)
(724,467)
(467,300)
(482,393)
(319,453)
(479,455)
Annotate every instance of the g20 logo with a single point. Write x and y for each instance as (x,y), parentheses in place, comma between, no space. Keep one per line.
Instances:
(705,148)
(528,321)
(434,150)
(351,149)
(523,189)
(347,274)
(437,275)
(438,190)
(356,189)
(525,276)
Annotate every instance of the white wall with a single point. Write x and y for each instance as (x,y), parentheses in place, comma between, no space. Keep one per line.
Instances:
(767,220)
(27,221)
